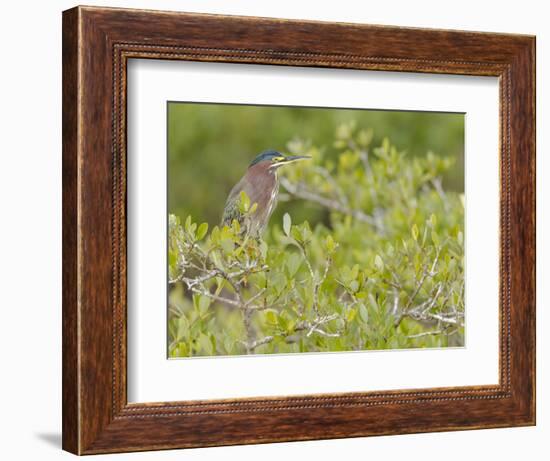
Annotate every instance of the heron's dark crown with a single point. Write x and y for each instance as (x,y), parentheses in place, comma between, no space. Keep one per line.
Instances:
(269,154)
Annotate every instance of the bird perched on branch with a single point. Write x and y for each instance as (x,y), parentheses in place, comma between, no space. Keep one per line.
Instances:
(260,185)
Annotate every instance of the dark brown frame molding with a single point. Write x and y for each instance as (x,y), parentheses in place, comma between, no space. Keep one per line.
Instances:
(97,43)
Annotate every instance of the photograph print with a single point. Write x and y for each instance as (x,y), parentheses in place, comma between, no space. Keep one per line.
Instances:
(312,230)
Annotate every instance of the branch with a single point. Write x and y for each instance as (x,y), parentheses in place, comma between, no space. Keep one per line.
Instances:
(328,177)
(253,298)
(298,190)
(433,333)
(318,284)
(250,347)
(425,273)
(324,333)
(314,326)
(441,318)
(215,297)
(395,307)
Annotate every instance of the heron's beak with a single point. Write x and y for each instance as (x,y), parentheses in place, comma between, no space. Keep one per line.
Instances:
(294,158)
(290,159)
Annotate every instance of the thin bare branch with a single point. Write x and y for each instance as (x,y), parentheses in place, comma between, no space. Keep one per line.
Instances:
(300,191)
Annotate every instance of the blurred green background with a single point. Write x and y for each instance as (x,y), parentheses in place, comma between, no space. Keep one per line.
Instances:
(211,145)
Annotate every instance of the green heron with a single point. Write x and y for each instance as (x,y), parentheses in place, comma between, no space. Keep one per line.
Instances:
(261,185)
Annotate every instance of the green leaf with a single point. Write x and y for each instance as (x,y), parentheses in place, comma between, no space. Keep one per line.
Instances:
(296,234)
(220,283)
(188,224)
(287,222)
(183,327)
(202,230)
(386,144)
(271,317)
(172,259)
(228,345)
(245,200)
(306,232)
(204,303)
(173,221)
(244,204)
(236,226)
(414,232)
(330,244)
(451,267)
(183,350)
(293,263)
(346,275)
(215,235)
(363,313)
(344,131)
(378,263)
(205,344)
(263,249)
(364,137)
(227,245)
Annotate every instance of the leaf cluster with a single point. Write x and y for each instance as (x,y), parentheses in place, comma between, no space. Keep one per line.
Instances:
(385,271)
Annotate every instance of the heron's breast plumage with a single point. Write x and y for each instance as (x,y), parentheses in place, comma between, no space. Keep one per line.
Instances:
(262,186)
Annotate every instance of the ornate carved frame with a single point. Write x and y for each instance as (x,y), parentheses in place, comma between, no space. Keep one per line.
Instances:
(97,43)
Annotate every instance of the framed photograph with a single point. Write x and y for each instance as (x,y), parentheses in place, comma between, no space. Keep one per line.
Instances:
(284,230)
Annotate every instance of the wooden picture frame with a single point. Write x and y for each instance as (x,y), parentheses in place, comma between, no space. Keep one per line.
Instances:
(97,43)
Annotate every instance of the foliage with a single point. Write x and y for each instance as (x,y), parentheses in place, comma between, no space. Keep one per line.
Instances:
(213,143)
(386,271)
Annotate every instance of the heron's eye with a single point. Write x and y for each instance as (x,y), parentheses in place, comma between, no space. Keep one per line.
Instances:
(278,159)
